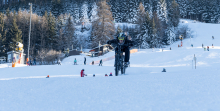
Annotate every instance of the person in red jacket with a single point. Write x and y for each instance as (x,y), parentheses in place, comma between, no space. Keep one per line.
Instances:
(82,73)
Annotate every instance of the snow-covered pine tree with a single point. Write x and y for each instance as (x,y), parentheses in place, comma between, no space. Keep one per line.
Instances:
(84,13)
(154,5)
(118,13)
(90,5)
(183,8)
(162,10)
(154,38)
(173,15)
(94,15)
(76,13)
(144,36)
(103,28)
(148,7)
(113,8)
(124,11)
(132,7)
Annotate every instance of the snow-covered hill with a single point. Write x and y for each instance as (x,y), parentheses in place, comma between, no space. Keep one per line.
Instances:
(143,88)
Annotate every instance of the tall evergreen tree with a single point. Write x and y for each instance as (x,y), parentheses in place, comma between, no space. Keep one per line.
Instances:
(51,31)
(144,36)
(162,10)
(174,14)
(15,35)
(2,35)
(69,33)
(154,39)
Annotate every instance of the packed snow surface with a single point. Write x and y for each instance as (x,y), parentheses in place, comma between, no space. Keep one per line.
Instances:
(143,88)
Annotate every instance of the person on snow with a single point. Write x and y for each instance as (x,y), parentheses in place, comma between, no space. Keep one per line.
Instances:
(122,39)
(100,63)
(212,37)
(82,73)
(34,61)
(30,63)
(207,48)
(212,46)
(92,62)
(59,62)
(84,60)
(202,45)
(75,62)
(110,74)
(170,48)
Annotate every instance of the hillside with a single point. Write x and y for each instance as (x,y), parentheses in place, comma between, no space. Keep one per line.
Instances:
(143,87)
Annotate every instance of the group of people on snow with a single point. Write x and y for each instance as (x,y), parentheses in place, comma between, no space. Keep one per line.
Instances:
(30,63)
(82,74)
(100,62)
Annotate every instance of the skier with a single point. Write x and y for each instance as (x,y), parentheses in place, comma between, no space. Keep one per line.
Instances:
(84,60)
(59,62)
(207,48)
(75,62)
(170,48)
(212,37)
(30,63)
(92,62)
(202,45)
(212,46)
(82,73)
(34,61)
(122,39)
(100,63)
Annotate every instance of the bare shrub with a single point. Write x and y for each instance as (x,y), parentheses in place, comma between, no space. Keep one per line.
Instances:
(185,31)
(49,57)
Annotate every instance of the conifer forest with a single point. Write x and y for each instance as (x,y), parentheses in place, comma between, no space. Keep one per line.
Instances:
(60,24)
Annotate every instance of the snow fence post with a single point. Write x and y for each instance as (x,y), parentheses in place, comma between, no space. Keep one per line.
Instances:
(195,60)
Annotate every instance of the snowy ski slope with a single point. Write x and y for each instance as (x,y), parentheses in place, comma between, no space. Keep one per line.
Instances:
(143,88)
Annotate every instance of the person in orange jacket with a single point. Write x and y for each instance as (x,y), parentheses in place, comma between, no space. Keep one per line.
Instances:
(82,73)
